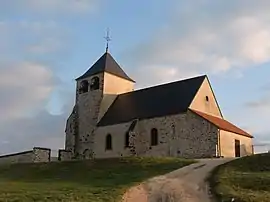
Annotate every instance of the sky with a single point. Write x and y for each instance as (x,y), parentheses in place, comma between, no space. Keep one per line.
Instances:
(45,45)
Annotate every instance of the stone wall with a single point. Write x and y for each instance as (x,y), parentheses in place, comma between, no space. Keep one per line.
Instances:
(182,135)
(89,109)
(70,131)
(41,154)
(227,144)
(64,155)
(36,155)
(88,105)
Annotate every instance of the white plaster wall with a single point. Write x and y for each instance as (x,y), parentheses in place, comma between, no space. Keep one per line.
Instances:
(118,141)
(199,102)
(116,85)
(227,144)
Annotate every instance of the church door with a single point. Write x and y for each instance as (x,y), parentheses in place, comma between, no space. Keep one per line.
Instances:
(237,148)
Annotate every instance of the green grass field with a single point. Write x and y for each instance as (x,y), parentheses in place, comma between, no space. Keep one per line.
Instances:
(246,179)
(80,181)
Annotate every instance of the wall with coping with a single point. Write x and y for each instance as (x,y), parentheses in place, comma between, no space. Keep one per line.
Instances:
(41,154)
(38,154)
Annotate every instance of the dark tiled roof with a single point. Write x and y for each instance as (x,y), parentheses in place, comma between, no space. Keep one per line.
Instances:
(106,63)
(157,101)
(221,123)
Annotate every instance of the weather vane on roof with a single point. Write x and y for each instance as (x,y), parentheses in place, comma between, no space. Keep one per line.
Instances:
(107,38)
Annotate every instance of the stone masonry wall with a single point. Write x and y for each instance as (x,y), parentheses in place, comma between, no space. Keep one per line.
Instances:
(89,109)
(182,135)
(88,105)
(41,154)
(71,131)
(36,155)
(21,157)
(64,155)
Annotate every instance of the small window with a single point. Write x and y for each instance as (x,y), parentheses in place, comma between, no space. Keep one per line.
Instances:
(173,128)
(207,98)
(108,142)
(154,137)
(84,86)
(127,140)
(94,83)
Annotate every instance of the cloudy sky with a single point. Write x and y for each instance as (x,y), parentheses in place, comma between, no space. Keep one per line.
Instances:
(45,44)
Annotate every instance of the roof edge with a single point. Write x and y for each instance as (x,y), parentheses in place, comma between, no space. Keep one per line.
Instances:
(246,135)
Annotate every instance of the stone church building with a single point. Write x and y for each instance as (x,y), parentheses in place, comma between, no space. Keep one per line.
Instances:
(179,119)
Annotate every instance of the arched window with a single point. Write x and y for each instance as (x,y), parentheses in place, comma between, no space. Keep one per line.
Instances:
(173,128)
(206,98)
(127,139)
(84,86)
(94,83)
(109,142)
(154,137)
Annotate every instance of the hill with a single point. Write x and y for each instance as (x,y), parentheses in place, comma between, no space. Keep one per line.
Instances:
(246,179)
(80,181)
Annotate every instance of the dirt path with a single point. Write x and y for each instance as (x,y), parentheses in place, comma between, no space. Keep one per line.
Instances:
(184,185)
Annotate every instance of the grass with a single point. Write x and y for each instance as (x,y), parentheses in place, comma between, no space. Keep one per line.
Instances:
(80,181)
(246,179)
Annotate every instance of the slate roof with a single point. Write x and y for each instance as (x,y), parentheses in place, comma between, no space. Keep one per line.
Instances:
(105,63)
(221,123)
(157,101)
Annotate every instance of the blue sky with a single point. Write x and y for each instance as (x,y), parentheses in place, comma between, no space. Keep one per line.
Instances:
(45,45)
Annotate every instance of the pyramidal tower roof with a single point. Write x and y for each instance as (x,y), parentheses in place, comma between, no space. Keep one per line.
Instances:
(106,63)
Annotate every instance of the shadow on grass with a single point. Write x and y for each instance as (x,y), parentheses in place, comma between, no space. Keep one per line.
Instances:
(105,173)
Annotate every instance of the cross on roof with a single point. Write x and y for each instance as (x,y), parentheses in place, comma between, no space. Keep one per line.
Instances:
(107,38)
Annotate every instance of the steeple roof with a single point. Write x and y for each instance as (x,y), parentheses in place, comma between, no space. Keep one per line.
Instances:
(106,63)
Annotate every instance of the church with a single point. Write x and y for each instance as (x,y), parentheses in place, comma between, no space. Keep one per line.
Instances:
(178,119)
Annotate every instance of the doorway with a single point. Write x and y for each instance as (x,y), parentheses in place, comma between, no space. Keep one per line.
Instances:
(237,148)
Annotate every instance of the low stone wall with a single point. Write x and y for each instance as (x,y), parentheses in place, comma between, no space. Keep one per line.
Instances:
(38,154)
(41,154)
(64,155)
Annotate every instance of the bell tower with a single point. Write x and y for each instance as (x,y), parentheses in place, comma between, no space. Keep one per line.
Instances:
(96,90)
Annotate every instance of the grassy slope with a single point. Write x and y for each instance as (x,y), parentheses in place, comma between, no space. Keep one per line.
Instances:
(101,180)
(246,179)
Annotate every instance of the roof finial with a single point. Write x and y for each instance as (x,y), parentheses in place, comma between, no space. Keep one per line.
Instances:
(107,37)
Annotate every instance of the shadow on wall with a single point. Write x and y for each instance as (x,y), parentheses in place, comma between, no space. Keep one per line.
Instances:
(244,151)
(37,154)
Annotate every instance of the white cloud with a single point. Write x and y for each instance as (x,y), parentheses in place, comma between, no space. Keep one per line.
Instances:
(23,87)
(36,37)
(261,104)
(209,37)
(56,6)
(48,45)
